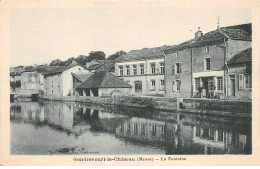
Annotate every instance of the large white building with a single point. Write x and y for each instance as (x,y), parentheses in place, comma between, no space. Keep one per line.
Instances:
(144,70)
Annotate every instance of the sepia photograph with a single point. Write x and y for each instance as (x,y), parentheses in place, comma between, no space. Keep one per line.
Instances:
(109,81)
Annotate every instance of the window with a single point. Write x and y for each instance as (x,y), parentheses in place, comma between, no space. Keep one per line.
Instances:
(207,63)
(219,83)
(153,68)
(127,70)
(173,69)
(135,69)
(177,54)
(240,81)
(178,67)
(248,81)
(152,84)
(173,86)
(197,83)
(162,68)
(178,82)
(121,71)
(207,49)
(142,69)
(162,84)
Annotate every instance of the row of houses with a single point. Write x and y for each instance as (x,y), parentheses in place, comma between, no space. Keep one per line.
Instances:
(220,62)
(217,64)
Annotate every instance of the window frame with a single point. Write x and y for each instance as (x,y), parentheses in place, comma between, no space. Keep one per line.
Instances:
(178,68)
(241,83)
(128,72)
(153,87)
(245,75)
(222,86)
(177,85)
(206,65)
(141,69)
(121,68)
(153,67)
(134,69)
(162,68)
(162,85)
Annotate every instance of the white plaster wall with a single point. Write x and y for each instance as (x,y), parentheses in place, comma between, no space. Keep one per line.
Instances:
(68,80)
(146,78)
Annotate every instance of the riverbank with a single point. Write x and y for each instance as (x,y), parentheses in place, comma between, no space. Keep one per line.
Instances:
(231,108)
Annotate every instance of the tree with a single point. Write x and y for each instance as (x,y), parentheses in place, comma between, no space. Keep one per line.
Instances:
(82,59)
(99,55)
(56,62)
(68,61)
(116,55)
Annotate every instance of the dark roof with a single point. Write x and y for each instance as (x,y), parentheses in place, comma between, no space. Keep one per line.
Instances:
(59,70)
(82,76)
(243,56)
(93,67)
(242,32)
(142,54)
(103,79)
(103,65)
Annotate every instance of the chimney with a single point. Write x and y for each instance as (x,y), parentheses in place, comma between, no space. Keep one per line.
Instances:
(198,33)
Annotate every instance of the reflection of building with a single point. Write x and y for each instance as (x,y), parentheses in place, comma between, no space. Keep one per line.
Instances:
(143,69)
(143,130)
(102,84)
(182,134)
(201,61)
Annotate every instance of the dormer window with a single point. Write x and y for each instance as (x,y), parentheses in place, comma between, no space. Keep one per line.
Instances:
(207,49)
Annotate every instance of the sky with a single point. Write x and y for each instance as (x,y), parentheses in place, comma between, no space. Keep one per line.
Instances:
(39,36)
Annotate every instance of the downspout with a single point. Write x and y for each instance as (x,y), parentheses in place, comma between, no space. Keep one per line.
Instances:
(225,55)
(191,70)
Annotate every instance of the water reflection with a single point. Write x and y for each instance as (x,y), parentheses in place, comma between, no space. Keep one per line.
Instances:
(57,125)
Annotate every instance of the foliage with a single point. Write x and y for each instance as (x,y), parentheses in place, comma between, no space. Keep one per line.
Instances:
(116,55)
(56,62)
(99,55)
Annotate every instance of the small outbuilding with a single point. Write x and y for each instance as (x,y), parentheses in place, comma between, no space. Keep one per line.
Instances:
(103,83)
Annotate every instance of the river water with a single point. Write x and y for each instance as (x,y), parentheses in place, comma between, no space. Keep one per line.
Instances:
(54,128)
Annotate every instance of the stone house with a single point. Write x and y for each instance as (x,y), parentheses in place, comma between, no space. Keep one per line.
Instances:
(239,74)
(103,84)
(144,70)
(59,82)
(202,62)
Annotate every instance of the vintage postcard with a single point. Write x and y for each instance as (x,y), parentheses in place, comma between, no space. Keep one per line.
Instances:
(143,82)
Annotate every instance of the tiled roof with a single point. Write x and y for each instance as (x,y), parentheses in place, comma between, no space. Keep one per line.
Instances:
(82,76)
(103,65)
(243,56)
(242,32)
(60,69)
(145,53)
(93,67)
(103,79)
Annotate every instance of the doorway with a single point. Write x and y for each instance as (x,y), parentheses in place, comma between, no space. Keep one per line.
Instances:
(138,87)
(232,85)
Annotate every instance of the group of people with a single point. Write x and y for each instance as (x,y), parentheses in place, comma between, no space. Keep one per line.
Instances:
(204,92)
